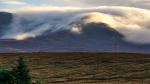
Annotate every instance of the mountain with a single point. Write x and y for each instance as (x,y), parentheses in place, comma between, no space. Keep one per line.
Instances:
(5,19)
(81,37)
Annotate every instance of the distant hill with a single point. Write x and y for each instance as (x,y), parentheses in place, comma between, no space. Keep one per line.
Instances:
(5,20)
(91,37)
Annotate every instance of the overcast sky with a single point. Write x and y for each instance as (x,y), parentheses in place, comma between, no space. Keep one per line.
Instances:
(12,4)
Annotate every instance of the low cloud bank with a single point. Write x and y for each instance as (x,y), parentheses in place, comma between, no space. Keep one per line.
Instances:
(131,22)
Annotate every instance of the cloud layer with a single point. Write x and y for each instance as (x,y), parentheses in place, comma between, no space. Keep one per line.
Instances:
(12,4)
(131,22)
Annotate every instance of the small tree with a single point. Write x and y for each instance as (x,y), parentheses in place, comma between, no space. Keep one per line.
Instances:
(21,72)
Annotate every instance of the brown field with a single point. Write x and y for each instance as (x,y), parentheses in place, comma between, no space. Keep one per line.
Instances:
(85,68)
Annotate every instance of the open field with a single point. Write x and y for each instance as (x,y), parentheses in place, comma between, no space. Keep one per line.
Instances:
(85,68)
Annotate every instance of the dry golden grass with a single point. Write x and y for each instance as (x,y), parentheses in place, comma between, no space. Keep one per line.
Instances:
(85,68)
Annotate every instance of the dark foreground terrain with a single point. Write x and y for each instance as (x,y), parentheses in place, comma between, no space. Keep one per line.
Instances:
(85,68)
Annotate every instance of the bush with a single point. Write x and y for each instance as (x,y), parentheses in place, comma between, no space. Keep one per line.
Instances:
(6,77)
(21,72)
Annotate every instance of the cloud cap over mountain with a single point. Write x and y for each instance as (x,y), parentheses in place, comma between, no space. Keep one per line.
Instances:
(131,22)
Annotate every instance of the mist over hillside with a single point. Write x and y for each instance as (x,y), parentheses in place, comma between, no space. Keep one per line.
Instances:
(95,29)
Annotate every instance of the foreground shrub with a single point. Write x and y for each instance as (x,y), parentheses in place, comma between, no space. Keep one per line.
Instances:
(6,77)
(21,72)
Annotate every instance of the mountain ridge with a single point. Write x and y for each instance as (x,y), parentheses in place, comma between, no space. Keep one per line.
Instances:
(81,37)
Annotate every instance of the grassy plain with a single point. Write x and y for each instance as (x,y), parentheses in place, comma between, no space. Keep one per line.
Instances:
(84,68)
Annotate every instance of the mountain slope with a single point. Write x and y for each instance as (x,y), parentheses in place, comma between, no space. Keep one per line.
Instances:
(5,20)
(81,33)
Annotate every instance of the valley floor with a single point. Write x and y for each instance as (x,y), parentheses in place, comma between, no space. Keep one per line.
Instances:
(85,68)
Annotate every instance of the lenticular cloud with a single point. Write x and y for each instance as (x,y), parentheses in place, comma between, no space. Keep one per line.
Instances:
(132,23)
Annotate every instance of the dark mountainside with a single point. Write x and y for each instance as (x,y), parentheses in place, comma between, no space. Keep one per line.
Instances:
(5,20)
(94,38)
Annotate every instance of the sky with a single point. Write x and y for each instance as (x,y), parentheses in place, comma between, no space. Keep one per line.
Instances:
(13,4)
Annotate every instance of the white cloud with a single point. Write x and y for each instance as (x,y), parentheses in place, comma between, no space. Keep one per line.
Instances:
(76,3)
(13,2)
(6,5)
(131,3)
(131,22)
